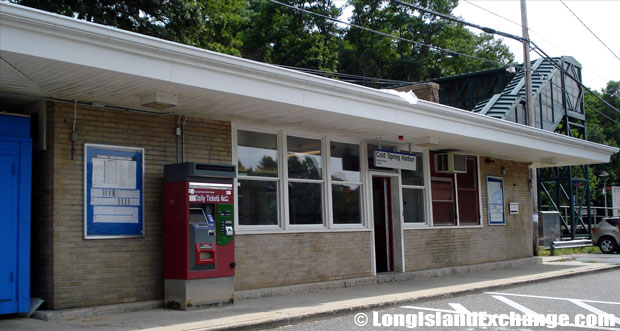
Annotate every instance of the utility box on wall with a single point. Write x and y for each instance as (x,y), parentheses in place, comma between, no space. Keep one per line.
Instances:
(199,251)
(15,188)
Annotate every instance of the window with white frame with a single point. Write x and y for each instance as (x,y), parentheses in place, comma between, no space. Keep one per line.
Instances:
(346,183)
(257,164)
(414,192)
(294,175)
(305,180)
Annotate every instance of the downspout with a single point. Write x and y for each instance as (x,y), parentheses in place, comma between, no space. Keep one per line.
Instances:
(183,138)
(73,132)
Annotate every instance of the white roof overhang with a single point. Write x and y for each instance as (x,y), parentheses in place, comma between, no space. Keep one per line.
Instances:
(44,55)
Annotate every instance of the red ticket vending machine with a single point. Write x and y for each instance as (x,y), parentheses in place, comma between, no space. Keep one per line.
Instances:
(199,251)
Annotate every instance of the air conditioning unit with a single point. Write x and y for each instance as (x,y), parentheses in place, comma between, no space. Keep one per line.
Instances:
(450,163)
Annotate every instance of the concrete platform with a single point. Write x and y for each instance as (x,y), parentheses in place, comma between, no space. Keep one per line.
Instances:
(278,310)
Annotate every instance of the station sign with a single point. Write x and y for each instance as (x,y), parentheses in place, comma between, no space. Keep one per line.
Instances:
(395,160)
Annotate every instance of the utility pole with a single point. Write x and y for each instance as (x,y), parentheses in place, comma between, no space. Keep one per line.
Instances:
(531,119)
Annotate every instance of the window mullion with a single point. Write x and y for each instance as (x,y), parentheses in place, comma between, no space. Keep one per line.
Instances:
(365,200)
(283,164)
(327,177)
(427,183)
(456,199)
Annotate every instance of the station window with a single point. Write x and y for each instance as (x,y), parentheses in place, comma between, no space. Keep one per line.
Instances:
(305,180)
(257,155)
(414,191)
(291,181)
(346,184)
(455,197)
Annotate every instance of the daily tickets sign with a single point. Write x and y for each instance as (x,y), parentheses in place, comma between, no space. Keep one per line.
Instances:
(210,195)
(395,160)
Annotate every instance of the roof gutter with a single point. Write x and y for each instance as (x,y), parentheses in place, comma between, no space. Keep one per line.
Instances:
(86,33)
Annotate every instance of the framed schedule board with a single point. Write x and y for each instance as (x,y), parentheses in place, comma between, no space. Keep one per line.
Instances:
(495,200)
(113,192)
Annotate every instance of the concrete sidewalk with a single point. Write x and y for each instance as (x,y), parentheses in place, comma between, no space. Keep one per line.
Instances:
(275,311)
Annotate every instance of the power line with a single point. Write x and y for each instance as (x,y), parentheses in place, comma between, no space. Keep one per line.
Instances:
(595,36)
(457,20)
(585,103)
(513,22)
(492,13)
(600,112)
(448,51)
(534,32)
(542,53)
(535,47)
(350,77)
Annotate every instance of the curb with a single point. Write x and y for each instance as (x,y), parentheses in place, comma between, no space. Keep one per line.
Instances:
(290,320)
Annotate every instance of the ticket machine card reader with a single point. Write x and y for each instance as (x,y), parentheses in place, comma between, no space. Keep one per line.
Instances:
(225,229)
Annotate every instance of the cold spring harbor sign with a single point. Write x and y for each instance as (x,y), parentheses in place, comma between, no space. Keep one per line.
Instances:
(395,160)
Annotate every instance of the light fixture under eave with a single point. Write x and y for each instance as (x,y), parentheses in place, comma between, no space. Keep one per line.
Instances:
(426,142)
(159,100)
(549,160)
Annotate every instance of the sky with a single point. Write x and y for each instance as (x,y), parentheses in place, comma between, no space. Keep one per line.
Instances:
(555,30)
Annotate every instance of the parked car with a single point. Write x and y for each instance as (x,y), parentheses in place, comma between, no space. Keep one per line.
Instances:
(606,235)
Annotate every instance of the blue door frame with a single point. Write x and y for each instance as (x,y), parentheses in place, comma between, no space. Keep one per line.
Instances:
(15,188)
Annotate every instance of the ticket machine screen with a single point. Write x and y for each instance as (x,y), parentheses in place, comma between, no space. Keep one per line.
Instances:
(202,234)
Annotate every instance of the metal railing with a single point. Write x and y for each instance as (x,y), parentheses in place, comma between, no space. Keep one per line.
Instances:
(598,213)
(569,244)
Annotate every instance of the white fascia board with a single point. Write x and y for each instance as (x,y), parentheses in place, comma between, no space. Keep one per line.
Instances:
(37,33)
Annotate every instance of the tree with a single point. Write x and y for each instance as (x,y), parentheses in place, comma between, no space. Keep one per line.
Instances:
(369,54)
(603,126)
(207,24)
(285,36)
(272,33)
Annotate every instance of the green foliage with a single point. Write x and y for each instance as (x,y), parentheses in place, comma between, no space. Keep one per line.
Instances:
(268,32)
(283,36)
(207,24)
(369,54)
(569,251)
(603,127)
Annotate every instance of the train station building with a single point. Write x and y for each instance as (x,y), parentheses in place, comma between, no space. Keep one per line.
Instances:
(331,181)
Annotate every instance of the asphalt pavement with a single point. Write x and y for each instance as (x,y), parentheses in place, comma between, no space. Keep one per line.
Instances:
(276,311)
(580,295)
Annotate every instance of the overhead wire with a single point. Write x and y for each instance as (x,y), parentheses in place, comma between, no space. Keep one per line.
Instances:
(534,47)
(592,32)
(349,77)
(513,22)
(532,31)
(444,50)
(542,53)
(458,20)
(604,115)
(577,97)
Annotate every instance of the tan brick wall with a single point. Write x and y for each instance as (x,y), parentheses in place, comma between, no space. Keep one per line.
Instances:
(77,273)
(98,272)
(268,260)
(436,248)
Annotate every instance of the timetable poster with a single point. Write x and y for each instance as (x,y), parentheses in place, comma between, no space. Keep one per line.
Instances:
(113,192)
(495,198)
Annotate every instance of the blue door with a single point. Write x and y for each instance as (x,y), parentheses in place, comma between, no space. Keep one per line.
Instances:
(15,188)
(8,228)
